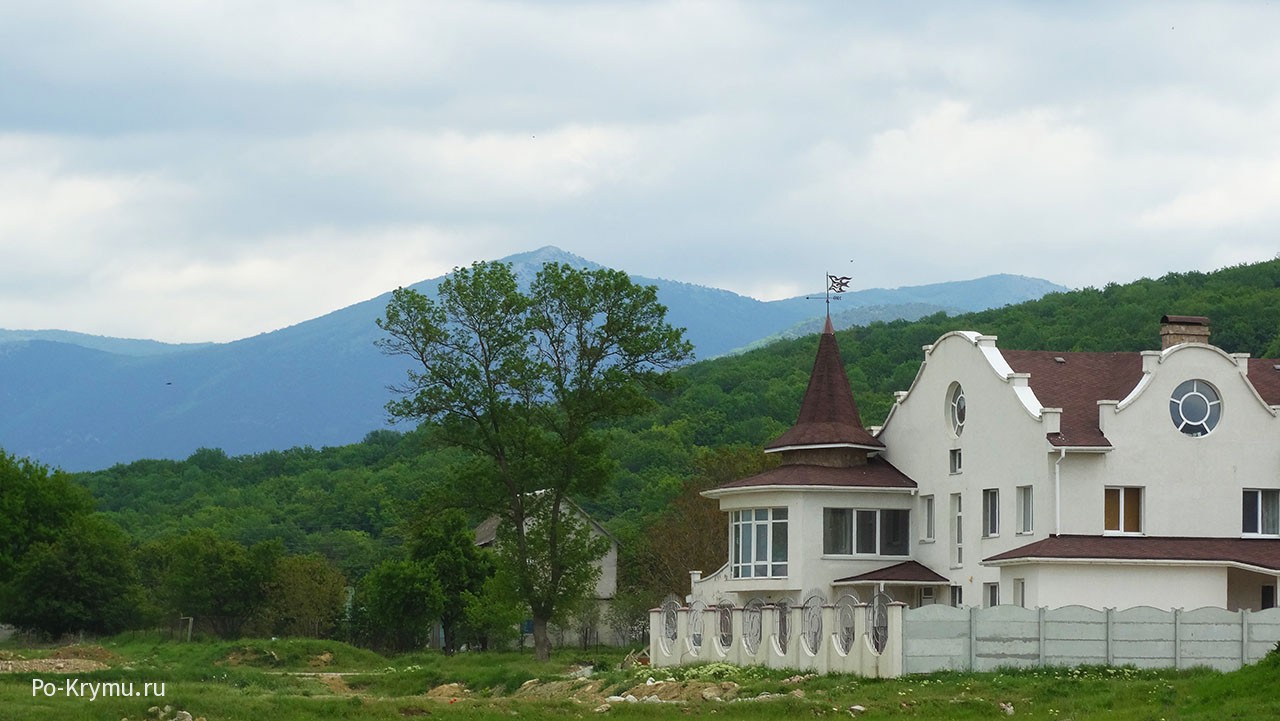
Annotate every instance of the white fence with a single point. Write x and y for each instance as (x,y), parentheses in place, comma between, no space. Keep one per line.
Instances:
(887,640)
(983,639)
(854,638)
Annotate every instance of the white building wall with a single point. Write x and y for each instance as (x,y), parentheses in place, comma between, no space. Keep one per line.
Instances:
(1193,485)
(1003,446)
(1120,585)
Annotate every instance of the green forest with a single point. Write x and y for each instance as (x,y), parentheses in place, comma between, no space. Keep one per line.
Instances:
(269,543)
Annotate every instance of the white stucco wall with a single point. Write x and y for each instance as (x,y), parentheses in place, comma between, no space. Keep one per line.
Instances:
(1003,446)
(1119,585)
(1192,485)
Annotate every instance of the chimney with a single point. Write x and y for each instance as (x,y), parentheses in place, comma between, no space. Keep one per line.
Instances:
(1176,329)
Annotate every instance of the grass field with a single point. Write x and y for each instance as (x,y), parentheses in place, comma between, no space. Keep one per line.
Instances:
(289,680)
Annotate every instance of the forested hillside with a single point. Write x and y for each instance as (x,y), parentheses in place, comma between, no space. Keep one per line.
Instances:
(356,505)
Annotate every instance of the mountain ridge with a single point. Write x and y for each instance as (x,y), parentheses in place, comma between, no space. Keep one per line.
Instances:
(77,405)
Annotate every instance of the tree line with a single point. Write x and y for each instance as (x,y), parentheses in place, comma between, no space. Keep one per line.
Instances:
(382,528)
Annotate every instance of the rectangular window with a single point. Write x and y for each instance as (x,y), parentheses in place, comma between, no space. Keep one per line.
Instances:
(926,530)
(884,532)
(865,534)
(759,544)
(837,531)
(1261,512)
(991,512)
(1020,592)
(956,460)
(991,594)
(1122,510)
(895,529)
(1268,597)
(957,531)
(957,596)
(1026,510)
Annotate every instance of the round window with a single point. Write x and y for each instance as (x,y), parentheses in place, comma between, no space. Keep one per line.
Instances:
(1195,408)
(956,408)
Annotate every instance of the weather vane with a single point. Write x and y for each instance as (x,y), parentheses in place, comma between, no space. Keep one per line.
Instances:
(836,284)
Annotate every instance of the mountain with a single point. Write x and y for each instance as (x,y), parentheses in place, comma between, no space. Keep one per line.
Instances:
(85,402)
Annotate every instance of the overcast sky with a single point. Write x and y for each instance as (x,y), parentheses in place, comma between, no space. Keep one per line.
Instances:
(192,171)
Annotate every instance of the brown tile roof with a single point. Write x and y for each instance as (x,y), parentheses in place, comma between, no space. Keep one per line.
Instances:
(907,572)
(1075,382)
(828,413)
(877,473)
(1264,374)
(1258,552)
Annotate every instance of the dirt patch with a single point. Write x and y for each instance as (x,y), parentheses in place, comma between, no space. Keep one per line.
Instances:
(89,653)
(334,682)
(51,665)
(686,691)
(249,657)
(321,661)
(577,689)
(448,691)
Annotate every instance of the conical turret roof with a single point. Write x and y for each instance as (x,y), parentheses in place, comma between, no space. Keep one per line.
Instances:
(828,414)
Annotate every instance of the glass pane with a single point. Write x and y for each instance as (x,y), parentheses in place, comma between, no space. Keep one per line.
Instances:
(894,527)
(1111,511)
(866,531)
(762,514)
(1132,510)
(779,514)
(1249,512)
(1271,511)
(779,541)
(837,530)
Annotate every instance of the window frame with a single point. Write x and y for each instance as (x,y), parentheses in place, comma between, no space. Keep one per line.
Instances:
(1123,494)
(1265,513)
(991,513)
(866,529)
(957,530)
(928,519)
(748,523)
(955,461)
(1026,510)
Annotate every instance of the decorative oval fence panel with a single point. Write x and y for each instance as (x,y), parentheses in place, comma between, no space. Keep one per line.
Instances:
(846,608)
(878,620)
(697,610)
(724,614)
(811,621)
(783,622)
(752,628)
(670,621)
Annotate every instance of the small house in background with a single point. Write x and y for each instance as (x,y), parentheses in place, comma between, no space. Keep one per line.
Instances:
(590,625)
(1032,478)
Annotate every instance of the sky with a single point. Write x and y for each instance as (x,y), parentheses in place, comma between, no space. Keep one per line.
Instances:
(208,171)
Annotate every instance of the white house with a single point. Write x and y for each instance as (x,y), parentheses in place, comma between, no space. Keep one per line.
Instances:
(1033,478)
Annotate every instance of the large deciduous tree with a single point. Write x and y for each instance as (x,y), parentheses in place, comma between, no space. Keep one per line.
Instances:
(524,380)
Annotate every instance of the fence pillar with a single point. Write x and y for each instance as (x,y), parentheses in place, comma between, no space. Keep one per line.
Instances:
(1177,639)
(973,637)
(1110,635)
(1244,637)
(1040,613)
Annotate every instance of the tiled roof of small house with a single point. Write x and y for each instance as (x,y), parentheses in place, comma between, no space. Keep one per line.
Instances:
(1075,382)
(876,473)
(906,572)
(1257,552)
(828,414)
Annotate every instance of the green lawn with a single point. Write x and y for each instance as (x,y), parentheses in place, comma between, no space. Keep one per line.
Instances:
(297,679)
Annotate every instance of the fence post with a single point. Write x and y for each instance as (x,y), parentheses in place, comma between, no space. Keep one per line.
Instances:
(1177,639)
(1040,619)
(973,637)
(1244,637)
(1110,635)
